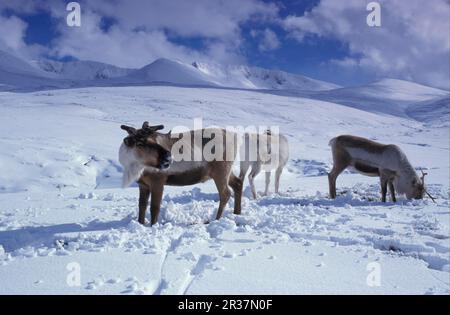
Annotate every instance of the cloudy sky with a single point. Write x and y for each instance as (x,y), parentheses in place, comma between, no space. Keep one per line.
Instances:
(324,39)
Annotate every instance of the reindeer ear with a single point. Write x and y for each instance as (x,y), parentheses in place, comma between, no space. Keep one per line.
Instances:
(145,125)
(130,130)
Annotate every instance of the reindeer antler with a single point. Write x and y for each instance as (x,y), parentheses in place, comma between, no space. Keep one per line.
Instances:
(130,130)
(146,126)
(422,178)
(157,127)
(431,197)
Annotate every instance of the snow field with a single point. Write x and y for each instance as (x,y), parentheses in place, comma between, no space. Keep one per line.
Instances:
(60,201)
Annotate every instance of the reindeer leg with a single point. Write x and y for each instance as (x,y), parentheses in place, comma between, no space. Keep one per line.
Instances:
(277,178)
(332,176)
(256,168)
(144,194)
(157,193)
(392,191)
(266,190)
(384,183)
(243,171)
(236,184)
(341,160)
(224,194)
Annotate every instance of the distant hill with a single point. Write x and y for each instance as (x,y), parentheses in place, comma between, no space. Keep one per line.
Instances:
(389,96)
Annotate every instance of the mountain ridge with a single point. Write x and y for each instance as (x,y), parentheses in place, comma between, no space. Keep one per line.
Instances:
(388,96)
(59,74)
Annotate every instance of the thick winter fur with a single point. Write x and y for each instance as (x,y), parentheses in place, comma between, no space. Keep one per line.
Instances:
(132,168)
(152,179)
(276,146)
(371,158)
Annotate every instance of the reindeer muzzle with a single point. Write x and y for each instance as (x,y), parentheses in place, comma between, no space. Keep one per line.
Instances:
(166,160)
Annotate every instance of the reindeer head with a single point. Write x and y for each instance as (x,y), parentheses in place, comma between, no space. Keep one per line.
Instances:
(143,143)
(418,188)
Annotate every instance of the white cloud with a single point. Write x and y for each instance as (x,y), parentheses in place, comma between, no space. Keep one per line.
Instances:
(413,41)
(12,35)
(118,46)
(268,39)
(12,32)
(145,30)
(203,18)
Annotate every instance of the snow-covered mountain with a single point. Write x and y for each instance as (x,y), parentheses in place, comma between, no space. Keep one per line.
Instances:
(387,96)
(230,76)
(81,70)
(169,71)
(15,72)
(10,64)
(240,76)
(20,74)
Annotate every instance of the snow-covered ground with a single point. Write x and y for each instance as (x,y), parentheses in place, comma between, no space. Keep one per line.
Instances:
(62,208)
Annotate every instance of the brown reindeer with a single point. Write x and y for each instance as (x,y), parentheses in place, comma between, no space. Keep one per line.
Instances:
(375,159)
(153,160)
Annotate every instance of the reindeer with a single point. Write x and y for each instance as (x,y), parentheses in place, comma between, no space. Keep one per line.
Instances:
(264,146)
(375,159)
(153,160)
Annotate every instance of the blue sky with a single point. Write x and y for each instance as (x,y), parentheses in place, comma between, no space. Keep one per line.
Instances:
(324,39)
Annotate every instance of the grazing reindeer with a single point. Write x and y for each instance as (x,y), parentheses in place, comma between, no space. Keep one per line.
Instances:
(272,142)
(148,156)
(375,159)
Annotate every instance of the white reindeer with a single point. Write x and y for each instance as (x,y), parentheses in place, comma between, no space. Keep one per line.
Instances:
(274,146)
(375,159)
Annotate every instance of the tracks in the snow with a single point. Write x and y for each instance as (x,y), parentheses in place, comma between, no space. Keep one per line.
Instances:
(179,284)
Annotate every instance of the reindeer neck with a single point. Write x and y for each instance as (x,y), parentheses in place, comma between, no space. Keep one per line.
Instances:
(407,168)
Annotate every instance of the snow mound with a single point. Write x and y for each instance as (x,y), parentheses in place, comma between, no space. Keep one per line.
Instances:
(387,96)
(400,90)
(169,71)
(434,111)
